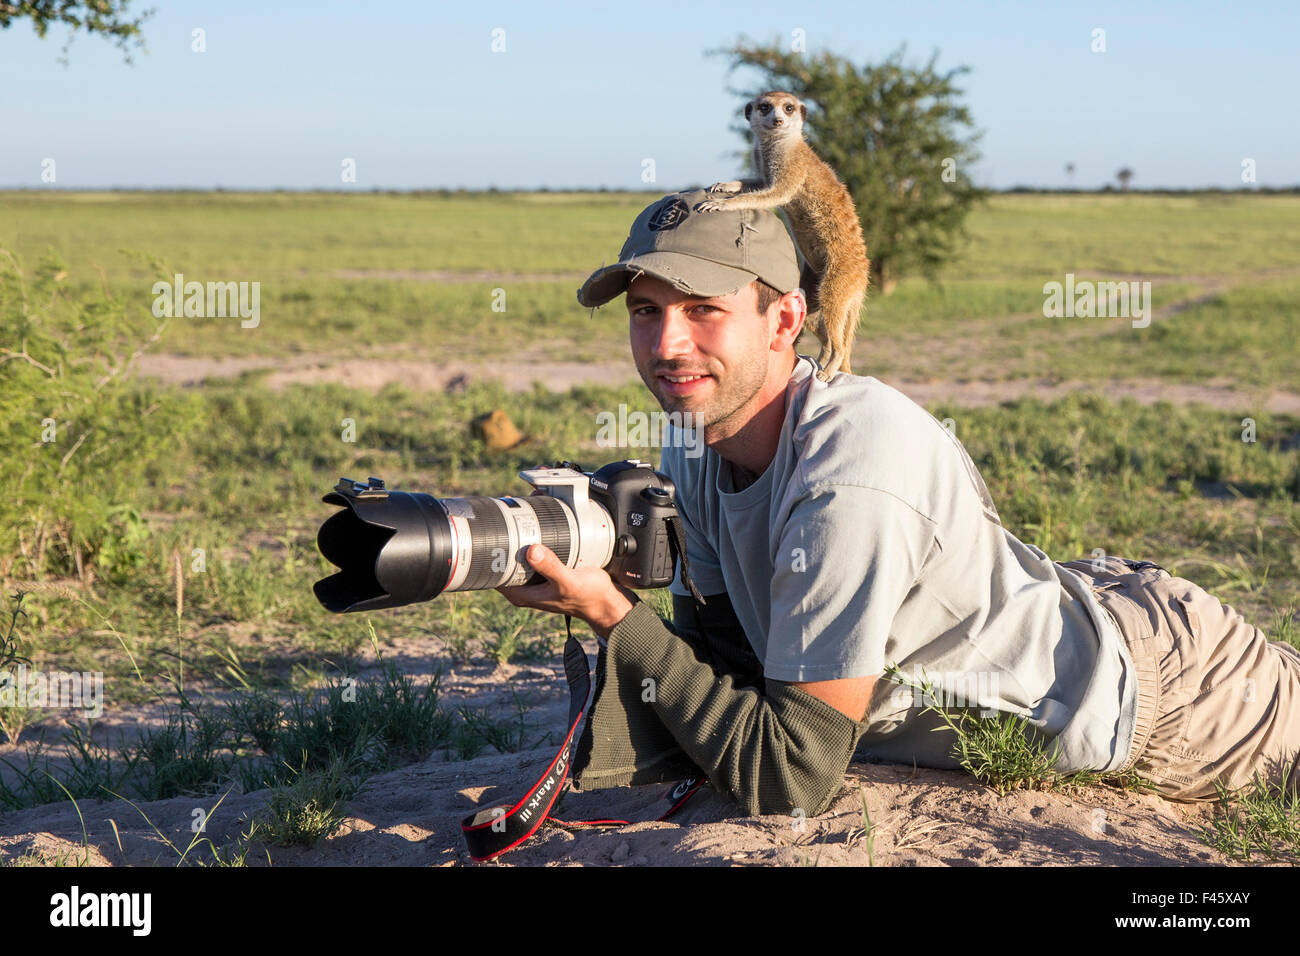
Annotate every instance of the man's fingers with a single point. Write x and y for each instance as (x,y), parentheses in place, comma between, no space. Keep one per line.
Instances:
(548,595)
(543,560)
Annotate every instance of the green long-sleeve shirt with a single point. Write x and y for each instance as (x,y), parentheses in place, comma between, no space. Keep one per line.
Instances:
(676,701)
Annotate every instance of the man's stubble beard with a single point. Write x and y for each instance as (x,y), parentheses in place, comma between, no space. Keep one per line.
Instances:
(743,383)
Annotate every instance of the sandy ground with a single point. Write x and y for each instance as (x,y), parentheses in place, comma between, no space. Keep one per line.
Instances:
(433,375)
(411,816)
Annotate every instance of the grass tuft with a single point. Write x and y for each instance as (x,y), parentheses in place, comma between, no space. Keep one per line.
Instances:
(1006,752)
(1263,820)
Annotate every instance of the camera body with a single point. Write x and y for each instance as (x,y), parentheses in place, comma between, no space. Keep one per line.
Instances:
(394,548)
(639,499)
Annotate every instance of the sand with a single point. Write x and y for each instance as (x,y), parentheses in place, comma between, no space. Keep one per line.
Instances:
(411,816)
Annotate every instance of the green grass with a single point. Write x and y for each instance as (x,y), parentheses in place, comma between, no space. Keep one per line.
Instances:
(33,857)
(1231,339)
(229,476)
(284,234)
(296,246)
(479,729)
(1033,236)
(309,809)
(865,834)
(314,234)
(253,738)
(1006,752)
(1264,821)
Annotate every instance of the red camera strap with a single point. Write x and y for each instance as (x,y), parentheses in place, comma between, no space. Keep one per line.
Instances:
(494,830)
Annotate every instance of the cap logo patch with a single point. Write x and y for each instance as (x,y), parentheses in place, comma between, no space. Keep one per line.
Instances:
(669,216)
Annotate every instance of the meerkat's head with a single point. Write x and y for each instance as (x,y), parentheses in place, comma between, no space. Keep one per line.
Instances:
(776,114)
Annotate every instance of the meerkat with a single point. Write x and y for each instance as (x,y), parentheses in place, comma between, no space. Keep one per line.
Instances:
(821,211)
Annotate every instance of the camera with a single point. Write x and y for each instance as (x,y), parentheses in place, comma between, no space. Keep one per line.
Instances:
(398,547)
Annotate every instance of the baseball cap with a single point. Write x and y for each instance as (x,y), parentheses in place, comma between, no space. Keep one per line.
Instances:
(701,253)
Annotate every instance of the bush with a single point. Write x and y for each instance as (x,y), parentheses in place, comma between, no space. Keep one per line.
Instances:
(82,441)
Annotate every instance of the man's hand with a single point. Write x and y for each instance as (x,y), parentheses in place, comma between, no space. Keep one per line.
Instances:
(587,593)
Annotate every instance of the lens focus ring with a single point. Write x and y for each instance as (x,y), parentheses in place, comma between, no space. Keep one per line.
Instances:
(553,524)
(489,533)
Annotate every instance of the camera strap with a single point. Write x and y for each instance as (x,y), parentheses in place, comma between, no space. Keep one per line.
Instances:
(677,545)
(494,830)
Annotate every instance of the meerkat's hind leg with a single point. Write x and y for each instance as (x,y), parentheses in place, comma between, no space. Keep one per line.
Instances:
(831,360)
(842,291)
(831,293)
(841,333)
(815,323)
(835,356)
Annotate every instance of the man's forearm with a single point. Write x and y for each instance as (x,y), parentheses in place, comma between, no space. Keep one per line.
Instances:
(772,752)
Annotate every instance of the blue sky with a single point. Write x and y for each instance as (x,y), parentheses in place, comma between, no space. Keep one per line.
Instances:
(584,92)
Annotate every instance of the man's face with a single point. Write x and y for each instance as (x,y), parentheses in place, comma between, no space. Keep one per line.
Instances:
(722,340)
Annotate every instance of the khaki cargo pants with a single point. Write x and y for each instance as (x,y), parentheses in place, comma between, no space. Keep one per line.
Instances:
(1216,698)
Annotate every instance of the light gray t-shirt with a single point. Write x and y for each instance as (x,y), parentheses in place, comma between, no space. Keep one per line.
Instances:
(871,539)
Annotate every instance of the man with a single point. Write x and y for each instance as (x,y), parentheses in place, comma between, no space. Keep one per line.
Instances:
(836,529)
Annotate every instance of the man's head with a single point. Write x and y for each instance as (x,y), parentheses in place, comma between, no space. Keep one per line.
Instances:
(735,266)
(720,358)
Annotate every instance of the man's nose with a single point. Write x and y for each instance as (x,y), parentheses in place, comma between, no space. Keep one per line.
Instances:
(674,334)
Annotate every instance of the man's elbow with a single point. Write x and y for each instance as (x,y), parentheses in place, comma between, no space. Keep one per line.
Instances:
(787,795)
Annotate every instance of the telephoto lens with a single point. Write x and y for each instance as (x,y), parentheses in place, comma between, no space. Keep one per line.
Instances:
(396,547)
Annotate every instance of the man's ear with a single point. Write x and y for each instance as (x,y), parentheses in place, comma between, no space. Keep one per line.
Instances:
(798,327)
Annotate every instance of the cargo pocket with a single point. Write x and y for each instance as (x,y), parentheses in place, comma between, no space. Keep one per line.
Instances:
(1184,730)
(1204,731)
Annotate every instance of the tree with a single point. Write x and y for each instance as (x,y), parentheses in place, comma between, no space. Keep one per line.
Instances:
(1124,175)
(1069,171)
(107,18)
(898,138)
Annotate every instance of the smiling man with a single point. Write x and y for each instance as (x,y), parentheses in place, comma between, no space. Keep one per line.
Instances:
(835,529)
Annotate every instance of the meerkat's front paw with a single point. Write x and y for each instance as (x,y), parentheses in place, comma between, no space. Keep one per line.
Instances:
(711,205)
(734,186)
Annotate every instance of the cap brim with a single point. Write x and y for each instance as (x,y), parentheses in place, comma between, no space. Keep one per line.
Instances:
(691,274)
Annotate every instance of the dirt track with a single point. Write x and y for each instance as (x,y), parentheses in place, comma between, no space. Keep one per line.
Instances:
(431,375)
